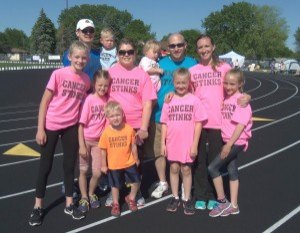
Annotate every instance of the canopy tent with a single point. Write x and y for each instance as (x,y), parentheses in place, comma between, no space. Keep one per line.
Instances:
(234,57)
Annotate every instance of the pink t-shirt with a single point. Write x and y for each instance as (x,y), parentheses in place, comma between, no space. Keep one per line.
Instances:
(180,116)
(131,88)
(233,114)
(69,89)
(93,117)
(208,86)
(146,64)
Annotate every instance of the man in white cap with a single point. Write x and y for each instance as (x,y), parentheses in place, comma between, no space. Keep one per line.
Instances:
(85,32)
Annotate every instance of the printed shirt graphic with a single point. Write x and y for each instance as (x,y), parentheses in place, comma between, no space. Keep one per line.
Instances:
(69,90)
(233,114)
(131,88)
(107,58)
(91,67)
(118,145)
(93,117)
(208,86)
(169,66)
(180,116)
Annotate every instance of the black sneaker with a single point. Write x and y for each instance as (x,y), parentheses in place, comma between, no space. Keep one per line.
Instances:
(36,217)
(173,205)
(74,212)
(188,207)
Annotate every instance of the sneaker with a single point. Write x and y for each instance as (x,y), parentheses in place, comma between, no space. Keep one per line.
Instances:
(83,205)
(200,205)
(173,205)
(188,207)
(115,210)
(211,204)
(109,200)
(132,206)
(219,209)
(36,217)
(160,190)
(94,202)
(231,210)
(74,212)
(140,200)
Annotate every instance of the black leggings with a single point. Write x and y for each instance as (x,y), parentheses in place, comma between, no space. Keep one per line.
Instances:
(69,139)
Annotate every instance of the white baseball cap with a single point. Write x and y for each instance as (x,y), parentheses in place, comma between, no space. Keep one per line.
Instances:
(84,23)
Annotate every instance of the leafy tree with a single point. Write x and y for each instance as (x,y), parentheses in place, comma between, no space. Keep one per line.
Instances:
(101,15)
(256,32)
(16,38)
(191,37)
(42,38)
(297,39)
(4,45)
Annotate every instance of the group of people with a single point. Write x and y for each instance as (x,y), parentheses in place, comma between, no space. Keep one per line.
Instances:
(112,112)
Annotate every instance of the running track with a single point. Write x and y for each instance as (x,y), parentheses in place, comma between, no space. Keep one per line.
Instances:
(269,171)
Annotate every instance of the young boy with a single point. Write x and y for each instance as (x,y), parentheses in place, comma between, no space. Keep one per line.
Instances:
(108,51)
(119,156)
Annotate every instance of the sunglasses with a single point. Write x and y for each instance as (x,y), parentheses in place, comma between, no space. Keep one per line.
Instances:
(124,52)
(88,30)
(179,45)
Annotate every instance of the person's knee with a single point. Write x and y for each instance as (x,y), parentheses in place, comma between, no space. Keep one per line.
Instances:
(186,171)
(96,174)
(212,171)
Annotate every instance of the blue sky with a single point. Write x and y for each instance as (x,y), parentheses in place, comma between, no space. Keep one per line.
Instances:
(164,16)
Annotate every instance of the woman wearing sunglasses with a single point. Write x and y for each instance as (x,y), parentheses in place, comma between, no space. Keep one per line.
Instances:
(132,88)
(85,32)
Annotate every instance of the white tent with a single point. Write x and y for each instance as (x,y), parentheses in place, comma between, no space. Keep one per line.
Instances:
(234,56)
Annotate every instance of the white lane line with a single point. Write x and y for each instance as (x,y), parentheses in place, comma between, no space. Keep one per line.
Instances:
(283,220)
(267,94)
(18,119)
(17,112)
(17,129)
(160,200)
(15,143)
(255,88)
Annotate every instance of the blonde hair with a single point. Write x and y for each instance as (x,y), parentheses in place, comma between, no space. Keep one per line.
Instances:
(151,44)
(182,72)
(99,74)
(239,75)
(112,106)
(78,45)
(107,32)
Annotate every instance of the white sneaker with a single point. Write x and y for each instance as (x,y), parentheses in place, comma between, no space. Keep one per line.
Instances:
(109,200)
(161,189)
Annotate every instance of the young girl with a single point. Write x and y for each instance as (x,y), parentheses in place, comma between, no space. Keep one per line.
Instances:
(119,156)
(236,130)
(181,122)
(58,118)
(91,126)
(149,63)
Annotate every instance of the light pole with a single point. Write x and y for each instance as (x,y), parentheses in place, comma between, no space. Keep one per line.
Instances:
(67,5)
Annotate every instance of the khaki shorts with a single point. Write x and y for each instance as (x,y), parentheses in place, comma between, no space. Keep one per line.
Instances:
(93,160)
(152,146)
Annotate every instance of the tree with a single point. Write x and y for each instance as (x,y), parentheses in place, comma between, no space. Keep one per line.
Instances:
(4,45)
(297,39)
(42,40)
(101,15)
(256,32)
(16,38)
(191,37)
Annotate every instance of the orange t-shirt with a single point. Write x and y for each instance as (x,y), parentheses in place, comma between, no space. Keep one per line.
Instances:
(118,145)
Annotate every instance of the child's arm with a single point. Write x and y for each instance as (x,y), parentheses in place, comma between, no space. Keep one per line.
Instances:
(155,70)
(235,136)
(197,133)
(142,133)
(82,147)
(135,154)
(104,167)
(163,151)
(41,137)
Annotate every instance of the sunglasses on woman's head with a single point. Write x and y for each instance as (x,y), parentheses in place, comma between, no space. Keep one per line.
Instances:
(124,52)
(88,30)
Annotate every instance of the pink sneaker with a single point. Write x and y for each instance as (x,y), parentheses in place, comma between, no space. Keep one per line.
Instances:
(231,210)
(131,204)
